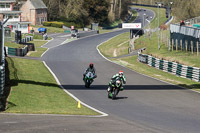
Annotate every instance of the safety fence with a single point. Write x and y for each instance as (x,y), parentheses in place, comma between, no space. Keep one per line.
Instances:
(180,70)
(185,30)
(184,38)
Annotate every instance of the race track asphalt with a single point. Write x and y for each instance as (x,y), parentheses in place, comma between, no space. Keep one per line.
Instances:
(146,105)
(146,101)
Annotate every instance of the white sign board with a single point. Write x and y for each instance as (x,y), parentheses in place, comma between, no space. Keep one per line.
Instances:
(131,26)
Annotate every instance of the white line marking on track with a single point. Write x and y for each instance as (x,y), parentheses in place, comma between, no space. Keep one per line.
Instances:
(75,98)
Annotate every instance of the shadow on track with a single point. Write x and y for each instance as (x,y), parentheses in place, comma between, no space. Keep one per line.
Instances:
(127,87)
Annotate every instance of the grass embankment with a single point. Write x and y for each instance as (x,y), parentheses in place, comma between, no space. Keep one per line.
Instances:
(50,29)
(132,63)
(108,49)
(38,49)
(116,46)
(34,90)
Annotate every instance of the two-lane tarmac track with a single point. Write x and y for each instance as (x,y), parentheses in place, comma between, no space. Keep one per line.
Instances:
(146,101)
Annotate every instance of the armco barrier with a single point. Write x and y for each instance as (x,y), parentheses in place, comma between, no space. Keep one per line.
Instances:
(177,69)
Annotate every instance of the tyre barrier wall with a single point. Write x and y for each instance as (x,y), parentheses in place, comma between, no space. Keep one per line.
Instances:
(177,69)
(17,51)
(2,84)
(2,78)
(27,39)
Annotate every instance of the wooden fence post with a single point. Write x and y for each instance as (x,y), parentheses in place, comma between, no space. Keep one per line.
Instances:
(192,47)
(186,45)
(169,43)
(197,48)
(181,44)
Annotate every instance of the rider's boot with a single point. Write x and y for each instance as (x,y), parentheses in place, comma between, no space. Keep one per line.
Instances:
(121,88)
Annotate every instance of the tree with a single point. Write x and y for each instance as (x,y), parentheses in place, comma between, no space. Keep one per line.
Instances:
(74,9)
(52,8)
(97,9)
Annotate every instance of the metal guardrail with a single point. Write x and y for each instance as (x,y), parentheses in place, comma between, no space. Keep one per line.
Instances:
(174,68)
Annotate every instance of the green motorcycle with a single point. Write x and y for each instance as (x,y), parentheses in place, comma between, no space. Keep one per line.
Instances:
(113,92)
(88,79)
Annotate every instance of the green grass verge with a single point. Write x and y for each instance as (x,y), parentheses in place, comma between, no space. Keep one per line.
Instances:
(13,45)
(38,49)
(108,48)
(132,63)
(34,90)
(182,57)
(116,46)
(51,29)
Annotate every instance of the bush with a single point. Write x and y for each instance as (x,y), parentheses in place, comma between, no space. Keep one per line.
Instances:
(57,24)
(69,24)
(47,23)
(53,24)
(60,24)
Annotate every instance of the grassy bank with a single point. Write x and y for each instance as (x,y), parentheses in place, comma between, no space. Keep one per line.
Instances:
(38,49)
(132,63)
(34,89)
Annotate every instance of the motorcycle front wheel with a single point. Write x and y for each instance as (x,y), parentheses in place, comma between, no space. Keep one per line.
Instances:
(114,94)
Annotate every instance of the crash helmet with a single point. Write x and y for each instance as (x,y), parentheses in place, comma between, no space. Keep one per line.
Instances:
(91,65)
(121,73)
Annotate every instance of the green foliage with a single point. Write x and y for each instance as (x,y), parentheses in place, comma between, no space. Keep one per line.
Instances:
(60,24)
(57,24)
(36,36)
(54,24)
(98,10)
(47,23)
(85,12)
(76,25)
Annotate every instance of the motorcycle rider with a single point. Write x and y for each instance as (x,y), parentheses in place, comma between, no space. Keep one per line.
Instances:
(90,68)
(115,77)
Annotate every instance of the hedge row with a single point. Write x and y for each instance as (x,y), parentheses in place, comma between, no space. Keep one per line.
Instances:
(54,24)
(60,24)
